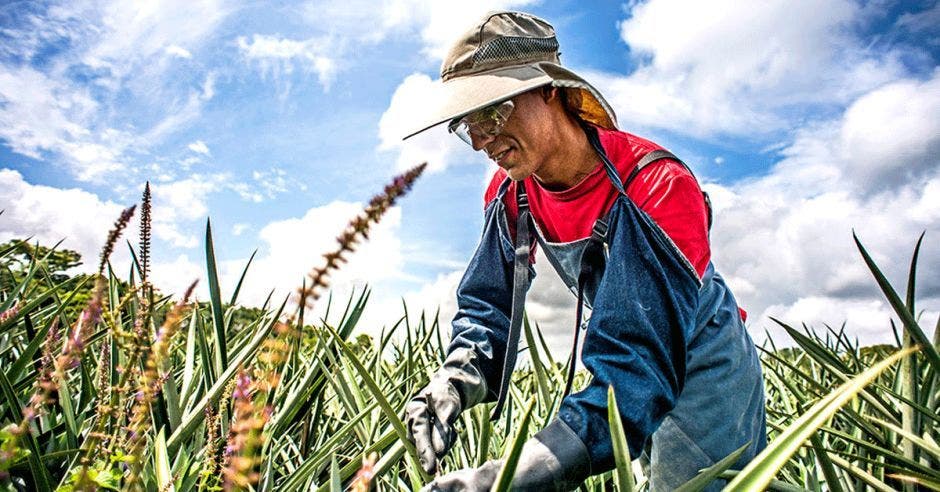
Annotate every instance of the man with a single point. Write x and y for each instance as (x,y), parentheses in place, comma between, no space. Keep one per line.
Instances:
(625,225)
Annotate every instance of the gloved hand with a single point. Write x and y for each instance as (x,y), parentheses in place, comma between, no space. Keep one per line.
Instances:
(468,479)
(431,414)
(554,460)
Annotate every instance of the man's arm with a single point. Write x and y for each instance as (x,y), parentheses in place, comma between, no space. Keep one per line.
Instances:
(471,372)
(484,298)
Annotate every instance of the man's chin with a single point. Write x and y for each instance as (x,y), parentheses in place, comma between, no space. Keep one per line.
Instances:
(516,174)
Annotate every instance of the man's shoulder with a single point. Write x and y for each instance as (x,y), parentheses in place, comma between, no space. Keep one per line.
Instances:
(624,146)
(626,149)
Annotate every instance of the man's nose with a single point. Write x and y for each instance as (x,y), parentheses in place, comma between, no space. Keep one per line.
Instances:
(480,141)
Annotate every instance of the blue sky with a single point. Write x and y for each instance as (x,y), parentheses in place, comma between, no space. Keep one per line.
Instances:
(804,119)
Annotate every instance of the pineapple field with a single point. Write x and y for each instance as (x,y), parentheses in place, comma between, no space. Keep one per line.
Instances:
(109,384)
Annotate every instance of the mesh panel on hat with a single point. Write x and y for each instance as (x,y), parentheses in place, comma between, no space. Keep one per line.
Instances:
(508,48)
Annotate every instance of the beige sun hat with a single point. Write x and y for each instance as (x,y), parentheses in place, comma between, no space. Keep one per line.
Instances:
(503,55)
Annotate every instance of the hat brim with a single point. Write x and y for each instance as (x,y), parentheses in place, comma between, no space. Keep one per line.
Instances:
(464,95)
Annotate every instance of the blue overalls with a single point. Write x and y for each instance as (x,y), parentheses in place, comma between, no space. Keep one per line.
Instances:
(673,346)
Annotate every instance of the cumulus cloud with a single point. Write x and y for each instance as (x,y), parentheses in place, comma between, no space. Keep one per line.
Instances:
(891,135)
(177,205)
(435,146)
(47,215)
(726,67)
(293,247)
(174,276)
(784,240)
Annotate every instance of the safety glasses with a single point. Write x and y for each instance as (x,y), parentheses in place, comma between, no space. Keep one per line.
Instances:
(482,123)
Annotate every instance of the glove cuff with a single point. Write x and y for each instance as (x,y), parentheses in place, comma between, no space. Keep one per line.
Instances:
(555,459)
(462,371)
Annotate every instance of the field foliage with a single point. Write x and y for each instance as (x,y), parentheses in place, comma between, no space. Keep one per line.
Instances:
(107,383)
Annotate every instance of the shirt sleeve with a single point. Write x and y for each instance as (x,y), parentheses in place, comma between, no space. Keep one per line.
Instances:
(671,196)
(484,302)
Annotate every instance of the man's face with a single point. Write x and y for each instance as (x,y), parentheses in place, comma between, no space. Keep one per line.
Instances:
(522,145)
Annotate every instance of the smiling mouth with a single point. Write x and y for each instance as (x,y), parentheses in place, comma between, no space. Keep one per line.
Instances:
(499,156)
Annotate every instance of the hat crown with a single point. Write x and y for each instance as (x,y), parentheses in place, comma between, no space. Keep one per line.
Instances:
(500,40)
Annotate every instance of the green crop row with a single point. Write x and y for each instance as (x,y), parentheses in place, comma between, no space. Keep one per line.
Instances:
(108,384)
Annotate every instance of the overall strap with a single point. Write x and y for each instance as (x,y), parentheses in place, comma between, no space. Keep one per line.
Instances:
(592,262)
(660,154)
(520,284)
(593,259)
(609,168)
(650,158)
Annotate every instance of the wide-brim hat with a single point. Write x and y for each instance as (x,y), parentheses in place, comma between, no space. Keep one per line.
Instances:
(502,56)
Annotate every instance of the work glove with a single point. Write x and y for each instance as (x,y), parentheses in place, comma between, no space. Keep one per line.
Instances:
(554,460)
(431,413)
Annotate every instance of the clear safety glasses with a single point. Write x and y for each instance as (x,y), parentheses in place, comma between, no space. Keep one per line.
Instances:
(482,123)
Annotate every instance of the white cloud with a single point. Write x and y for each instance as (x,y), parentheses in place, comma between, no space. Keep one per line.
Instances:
(176,114)
(549,305)
(178,204)
(437,296)
(892,135)
(132,31)
(264,185)
(365,21)
(174,276)
(435,146)
(39,114)
(199,147)
(273,181)
(73,107)
(247,192)
(442,21)
(279,57)
(293,247)
(48,215)
(240,228)
(178,51)
(728,67)
(784,240)
(866,320)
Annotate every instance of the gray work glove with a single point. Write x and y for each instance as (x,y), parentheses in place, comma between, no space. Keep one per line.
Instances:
(554,460)
(431,414)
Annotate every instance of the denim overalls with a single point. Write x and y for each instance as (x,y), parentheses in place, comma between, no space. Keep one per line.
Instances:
(673,346)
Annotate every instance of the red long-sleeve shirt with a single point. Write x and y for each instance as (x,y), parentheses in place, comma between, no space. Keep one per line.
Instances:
(665,190)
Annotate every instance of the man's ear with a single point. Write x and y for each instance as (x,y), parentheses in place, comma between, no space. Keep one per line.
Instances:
(550,92)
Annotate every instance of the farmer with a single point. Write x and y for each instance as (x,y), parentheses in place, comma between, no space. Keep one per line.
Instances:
(626,226)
